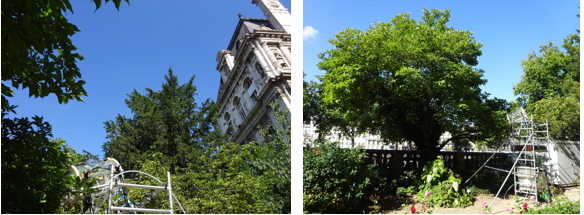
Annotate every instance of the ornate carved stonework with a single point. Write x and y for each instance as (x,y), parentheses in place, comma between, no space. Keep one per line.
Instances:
(274,4)
(256,72)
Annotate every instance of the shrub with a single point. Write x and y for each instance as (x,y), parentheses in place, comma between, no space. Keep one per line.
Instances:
(335,179)
(562,206)
(557,208)
(444,186)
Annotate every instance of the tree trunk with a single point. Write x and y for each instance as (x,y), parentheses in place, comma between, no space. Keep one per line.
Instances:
(427,153)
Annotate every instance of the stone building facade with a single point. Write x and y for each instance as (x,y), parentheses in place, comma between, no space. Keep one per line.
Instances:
(255,70)
(362,141)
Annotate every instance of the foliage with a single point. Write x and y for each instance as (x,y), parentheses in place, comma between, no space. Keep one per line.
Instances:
(443,184)
(273,161)
(170,133)
(562,206)
(375,207)
(38,53)
(325,116)
(335,179)
(566,207)
(402,191)
(222,185)
(416,79)
(73,156)
(168,121)
(34,168)
(485,181)
(550,87)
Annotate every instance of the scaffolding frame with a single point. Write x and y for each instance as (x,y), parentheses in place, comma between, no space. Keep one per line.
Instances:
(110,177)
(532,142)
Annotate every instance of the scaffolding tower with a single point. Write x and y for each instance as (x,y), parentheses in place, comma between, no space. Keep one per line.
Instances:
(529,143)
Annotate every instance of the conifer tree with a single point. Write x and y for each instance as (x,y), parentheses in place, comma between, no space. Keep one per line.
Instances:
(168,121)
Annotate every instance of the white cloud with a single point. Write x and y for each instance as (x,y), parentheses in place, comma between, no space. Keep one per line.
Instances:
(309,32)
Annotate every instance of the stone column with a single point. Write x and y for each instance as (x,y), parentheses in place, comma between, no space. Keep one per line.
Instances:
(264,65)
(286,53)
(274,62)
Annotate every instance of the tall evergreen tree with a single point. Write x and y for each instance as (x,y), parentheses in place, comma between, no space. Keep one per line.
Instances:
(168,121)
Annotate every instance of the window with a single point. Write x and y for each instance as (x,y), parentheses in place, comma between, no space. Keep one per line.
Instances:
(260,71)
(240,108)
(254,96)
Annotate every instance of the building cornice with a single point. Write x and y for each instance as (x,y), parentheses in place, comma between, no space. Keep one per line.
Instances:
(236,72)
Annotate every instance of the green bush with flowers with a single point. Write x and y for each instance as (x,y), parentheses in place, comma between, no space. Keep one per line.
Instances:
(440,187)
(560,205)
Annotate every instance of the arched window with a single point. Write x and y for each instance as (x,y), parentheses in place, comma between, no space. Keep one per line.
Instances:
(227,117)
(237,103)
(247,83)
(260,71)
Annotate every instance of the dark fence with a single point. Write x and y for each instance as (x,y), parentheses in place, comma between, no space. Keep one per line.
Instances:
(397,161)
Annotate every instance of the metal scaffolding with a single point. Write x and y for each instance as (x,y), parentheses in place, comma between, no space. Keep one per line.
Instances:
(110,186)
(529,143)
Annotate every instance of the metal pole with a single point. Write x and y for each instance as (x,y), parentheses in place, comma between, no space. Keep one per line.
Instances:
(109,201)
(170,193)
(140,186)
(524,146)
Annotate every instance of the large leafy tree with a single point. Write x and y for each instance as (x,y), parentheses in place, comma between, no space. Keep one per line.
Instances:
(550,87)
(413,81)
(168,121)
(37,53)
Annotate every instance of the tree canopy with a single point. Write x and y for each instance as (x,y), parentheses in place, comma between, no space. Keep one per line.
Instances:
(413,81)
(326,118)
(37,53)
(169,131)
(550,87)
(168,121)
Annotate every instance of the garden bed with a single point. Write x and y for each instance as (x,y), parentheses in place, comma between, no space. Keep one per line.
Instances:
(392,204)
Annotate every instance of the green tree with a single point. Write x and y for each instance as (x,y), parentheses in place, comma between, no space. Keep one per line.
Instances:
(33,168)
(37,54)
(168,121)
(35,176)
(550,87)
(413,81)
(225,177)
(326,117)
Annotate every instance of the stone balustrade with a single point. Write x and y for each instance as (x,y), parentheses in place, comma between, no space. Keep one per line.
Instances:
(397,161)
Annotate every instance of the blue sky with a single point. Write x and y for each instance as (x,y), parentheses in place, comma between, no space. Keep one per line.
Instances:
(132,49)
(508,30)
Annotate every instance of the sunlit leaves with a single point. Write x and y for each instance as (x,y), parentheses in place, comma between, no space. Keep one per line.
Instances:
(550,87)
(410,81)
(37,51)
